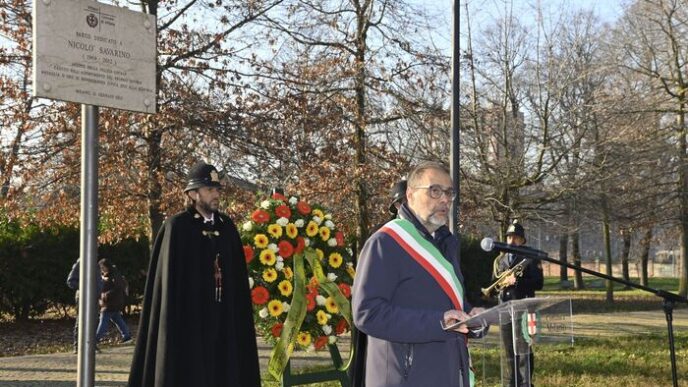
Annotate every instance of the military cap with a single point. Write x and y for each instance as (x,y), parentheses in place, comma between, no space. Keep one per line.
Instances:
(202,175)
(515,228)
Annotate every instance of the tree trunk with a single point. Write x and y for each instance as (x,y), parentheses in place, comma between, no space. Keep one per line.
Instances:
(575,252)
(154,162)
(683,189)
(563,256)
(360,126)
(644,255)
(607,257)
(154,186)
(625,252)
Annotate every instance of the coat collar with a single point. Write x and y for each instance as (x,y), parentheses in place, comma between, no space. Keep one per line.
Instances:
(406,213)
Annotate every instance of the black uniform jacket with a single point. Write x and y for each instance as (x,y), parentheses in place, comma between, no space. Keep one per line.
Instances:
(186,338)
(526,285)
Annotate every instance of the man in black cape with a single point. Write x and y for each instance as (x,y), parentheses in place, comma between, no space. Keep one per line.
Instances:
(197,326)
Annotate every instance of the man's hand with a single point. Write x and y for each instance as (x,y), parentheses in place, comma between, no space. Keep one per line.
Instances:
(475,311)
(452,316)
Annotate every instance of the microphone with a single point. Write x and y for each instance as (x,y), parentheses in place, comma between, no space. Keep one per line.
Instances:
(487,244)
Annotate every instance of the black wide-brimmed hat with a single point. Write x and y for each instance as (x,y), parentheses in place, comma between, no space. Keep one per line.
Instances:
(202,175)
(515,228)
(397,194)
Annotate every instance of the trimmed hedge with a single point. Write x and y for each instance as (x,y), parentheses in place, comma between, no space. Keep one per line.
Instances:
(35,262)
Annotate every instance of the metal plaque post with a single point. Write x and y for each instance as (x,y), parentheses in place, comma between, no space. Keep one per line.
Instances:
(88,300)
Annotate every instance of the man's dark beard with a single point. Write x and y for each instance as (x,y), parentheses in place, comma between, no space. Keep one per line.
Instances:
(206,207)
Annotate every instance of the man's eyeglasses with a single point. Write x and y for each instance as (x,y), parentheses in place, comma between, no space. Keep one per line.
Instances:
(435,191)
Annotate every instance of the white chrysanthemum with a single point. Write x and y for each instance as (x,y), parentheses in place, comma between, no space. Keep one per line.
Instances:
(327,329)
(332,242)
(263,313)
(331,276)
(317,220)
(279,265)
(320,300)
(332,339)
(299,223)
(282,221)
(349,251)
(250,283)
(273,247)
(286,306)
(328,216)
(248,226)
(307,241)
(265,204)
(293,200)
(329,223)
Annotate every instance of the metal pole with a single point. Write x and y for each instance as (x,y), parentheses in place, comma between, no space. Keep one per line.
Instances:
(89,246)
(455,152)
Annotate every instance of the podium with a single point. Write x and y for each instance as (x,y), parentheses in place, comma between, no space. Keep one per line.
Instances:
(522,324)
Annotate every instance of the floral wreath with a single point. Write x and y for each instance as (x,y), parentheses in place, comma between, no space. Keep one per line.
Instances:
(300,274)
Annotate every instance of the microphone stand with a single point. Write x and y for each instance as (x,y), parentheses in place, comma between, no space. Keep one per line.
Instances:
(669,299)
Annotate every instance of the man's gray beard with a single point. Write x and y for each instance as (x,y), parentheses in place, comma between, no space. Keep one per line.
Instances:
(436,221)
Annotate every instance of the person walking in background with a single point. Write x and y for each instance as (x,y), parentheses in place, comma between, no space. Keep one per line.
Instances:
(409,286)
(518,352)
(73,283)
(112,301)
(197,324)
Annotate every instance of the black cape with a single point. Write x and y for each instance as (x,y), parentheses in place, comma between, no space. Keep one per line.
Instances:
(187,338)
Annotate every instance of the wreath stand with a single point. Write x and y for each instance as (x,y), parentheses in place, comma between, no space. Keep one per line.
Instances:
(289,379)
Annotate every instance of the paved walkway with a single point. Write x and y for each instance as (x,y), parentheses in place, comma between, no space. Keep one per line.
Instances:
(112,364)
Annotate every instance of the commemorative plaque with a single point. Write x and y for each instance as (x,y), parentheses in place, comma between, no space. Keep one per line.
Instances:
(95,54)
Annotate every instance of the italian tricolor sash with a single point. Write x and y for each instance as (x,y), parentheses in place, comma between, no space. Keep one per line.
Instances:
(428,257)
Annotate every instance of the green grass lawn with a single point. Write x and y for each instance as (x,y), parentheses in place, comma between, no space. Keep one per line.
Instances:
(624,361)
(594,285)
(617,361)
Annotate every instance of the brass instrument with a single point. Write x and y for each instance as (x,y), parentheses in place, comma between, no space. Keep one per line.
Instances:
(500,283)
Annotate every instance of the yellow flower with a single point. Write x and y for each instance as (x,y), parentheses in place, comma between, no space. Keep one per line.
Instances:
(275,308)
(351,271)
(288,274)
(318,213)
(320,254)
(267,257)
(303,338)
(324,233)
(275,230)
(270,275)
(311,229)
(292,231)
(335,260)
(331,306)
(322,317)
(285,288)
(261,241)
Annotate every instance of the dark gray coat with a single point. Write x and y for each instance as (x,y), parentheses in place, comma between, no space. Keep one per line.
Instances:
(399,305)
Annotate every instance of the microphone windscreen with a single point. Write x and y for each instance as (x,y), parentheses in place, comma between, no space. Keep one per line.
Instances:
(486,244)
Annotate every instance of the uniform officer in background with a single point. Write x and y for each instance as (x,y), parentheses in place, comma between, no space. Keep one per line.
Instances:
(518,286)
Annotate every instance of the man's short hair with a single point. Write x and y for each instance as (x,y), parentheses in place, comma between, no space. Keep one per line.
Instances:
(420,169)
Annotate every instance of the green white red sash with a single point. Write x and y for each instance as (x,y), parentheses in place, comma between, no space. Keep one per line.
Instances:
(428,257)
